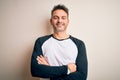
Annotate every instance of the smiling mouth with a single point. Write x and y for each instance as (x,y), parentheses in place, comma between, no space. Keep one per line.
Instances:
(60,24)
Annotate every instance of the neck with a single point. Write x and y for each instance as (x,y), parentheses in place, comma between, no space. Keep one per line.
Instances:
(60,35)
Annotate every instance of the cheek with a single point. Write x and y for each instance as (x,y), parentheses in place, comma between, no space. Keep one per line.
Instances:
(66,22)
(54,21)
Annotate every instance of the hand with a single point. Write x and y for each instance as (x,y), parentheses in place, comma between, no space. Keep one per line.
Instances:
(42,60)
(72,67)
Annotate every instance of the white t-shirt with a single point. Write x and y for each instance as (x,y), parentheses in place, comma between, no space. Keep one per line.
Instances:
(59,52)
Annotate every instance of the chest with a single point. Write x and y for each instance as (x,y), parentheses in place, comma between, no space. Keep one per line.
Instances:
(61,51)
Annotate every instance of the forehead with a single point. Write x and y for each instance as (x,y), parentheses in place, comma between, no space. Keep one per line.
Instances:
(59,12)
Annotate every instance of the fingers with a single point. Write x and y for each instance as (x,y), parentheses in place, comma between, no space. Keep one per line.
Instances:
(72,67)
(39,60)
(42,60)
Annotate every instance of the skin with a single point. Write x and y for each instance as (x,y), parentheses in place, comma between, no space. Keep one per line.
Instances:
(59,20)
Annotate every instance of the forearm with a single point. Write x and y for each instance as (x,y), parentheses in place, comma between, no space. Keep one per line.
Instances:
(45,71)
(71,76)
(76,76)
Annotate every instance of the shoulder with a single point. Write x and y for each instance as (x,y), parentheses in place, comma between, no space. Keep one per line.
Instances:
(76,40)
(80,44)
(42,39)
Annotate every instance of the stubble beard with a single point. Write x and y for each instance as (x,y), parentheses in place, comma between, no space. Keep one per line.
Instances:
(57,28)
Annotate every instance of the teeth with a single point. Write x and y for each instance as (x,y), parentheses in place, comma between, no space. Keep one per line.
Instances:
(59,24)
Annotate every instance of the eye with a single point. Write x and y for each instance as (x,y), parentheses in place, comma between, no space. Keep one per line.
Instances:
(63,17)
(55,17)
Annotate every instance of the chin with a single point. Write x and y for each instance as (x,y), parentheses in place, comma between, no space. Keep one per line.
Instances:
(60,30)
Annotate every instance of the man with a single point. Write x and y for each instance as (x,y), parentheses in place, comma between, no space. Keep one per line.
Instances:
(59,56)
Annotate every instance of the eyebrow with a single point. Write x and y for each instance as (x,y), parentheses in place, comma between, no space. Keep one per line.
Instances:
(58,16)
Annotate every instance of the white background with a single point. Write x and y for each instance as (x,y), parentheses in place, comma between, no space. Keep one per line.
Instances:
(96,22)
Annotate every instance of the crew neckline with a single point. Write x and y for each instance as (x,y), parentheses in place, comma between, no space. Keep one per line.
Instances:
(61,39)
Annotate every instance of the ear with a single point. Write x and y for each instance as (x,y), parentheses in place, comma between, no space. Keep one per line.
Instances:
(51,20)
(68,20)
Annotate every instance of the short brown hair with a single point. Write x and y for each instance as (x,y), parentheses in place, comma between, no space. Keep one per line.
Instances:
(60,7)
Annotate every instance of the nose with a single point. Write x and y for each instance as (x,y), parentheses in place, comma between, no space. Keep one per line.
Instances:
(59,20)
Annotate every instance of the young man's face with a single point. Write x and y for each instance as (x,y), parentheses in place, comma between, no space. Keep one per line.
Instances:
(59,20)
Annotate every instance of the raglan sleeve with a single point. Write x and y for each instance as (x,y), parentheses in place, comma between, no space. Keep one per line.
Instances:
(81,63)
(44,71)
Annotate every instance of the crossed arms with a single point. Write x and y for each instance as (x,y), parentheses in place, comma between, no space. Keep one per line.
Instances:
(41,68)
(42,60)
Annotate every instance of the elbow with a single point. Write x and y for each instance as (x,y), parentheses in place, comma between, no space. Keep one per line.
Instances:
(33,73)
